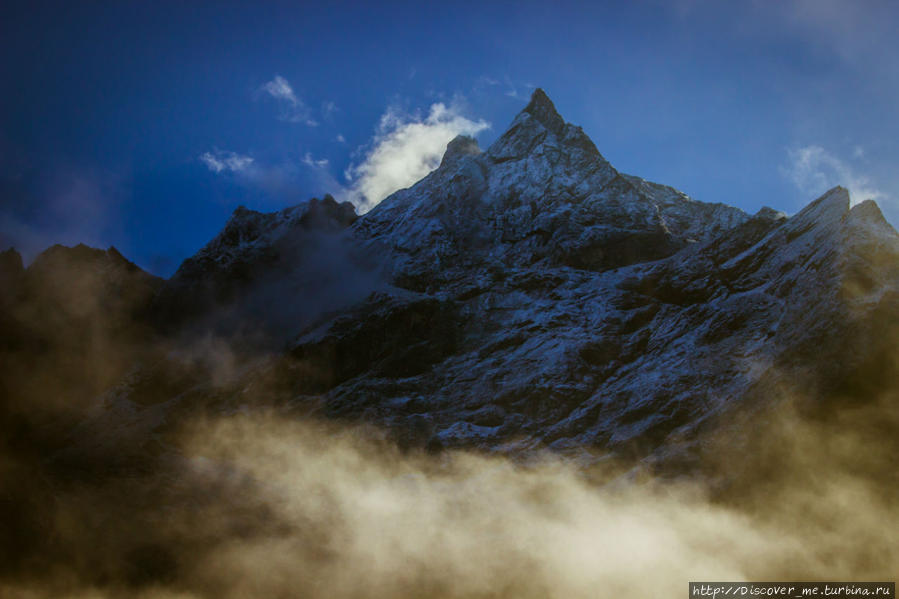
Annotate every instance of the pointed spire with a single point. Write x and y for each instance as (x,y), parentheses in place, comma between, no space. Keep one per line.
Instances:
(531,125)
(542,109)
(834,203)
(868,213)
(867,210)
(826,210)
(461,145)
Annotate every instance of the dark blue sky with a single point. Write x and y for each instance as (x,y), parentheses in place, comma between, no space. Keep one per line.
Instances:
(143,125)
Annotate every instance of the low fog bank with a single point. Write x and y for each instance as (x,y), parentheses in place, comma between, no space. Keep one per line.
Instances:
(264,505)
(159,467)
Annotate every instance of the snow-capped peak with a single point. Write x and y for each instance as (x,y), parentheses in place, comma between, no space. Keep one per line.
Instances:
(543,109)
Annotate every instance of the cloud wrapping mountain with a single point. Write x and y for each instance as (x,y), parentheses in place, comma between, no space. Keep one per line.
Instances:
(405,149)
(813,170)
(525,375)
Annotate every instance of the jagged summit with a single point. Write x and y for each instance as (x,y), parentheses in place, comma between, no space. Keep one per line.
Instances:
(248,227)
(541,193)
(252,246)
(836,198)
(832,206)
(325,208)
(461,145)
(543,109)
(868,211)
(58,255)
(249,232)
(537,124)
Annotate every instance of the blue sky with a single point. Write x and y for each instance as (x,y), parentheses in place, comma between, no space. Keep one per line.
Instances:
(143,125)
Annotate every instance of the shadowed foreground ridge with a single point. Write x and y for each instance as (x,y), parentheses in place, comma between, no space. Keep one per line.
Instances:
(459,392)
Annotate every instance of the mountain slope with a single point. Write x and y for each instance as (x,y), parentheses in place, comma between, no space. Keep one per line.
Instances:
(531,296)
(71,325)
(572,306)
(254,250)
(628,358)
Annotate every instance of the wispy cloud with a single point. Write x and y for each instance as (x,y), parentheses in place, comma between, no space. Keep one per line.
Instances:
(218,161)
(293,108)
(405,149)
(277,180)
(279,88)
(309,161)
(814,170)
(509,88)
(282,181)
(329,108)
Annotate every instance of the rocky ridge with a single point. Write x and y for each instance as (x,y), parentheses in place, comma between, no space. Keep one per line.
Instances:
(530,296)
(541,195)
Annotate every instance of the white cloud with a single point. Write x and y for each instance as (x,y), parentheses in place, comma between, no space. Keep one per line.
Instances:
(277,180)
(218,161)
(405,149)
(280,89)
(286,181)
(508,87)
(293,109)
(511,89)
(814,170)
(309,161)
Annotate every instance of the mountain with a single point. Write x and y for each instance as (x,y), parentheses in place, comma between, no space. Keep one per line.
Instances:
(259,259)
(251,243)
(522,297)
(522,300)
(531,296)
(72,324)
(78,302)
(541,196)
(544,299)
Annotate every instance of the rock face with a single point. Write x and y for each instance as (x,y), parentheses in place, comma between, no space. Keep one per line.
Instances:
(253,246)
(541,196)
(531,296)
(597,310)
(628,359)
